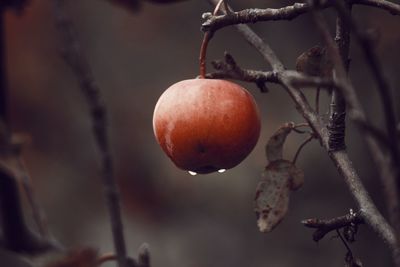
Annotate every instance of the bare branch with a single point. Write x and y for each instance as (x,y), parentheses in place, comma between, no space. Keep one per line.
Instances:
(340,158)
(76,60)
(305,142)
(253,15)
(324,226)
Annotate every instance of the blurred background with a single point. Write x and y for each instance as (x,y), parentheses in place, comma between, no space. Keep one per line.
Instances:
(191,221)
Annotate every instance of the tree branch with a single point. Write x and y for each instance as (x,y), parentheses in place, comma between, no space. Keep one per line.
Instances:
(253,15)
(387,172)
(76,60)
(324,226)
(337,117)
(16,235)
(340,158)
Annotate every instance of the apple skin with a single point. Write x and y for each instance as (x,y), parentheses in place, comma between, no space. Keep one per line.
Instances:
(205,125)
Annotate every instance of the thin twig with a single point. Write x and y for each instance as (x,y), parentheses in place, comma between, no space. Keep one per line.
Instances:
(76,60)
(324,226)
(253,15)
(344,242)
(305,142)
(300,125)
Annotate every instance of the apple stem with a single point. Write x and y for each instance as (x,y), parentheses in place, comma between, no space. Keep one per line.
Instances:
(203,49)
(203,52)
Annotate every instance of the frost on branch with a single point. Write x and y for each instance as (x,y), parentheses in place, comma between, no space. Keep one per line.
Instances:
(280,178)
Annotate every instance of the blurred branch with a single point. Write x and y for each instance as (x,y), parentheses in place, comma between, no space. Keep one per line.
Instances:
(340,158)
(37,212)
(77,61)
(253,15)
(324,226)
(16,235)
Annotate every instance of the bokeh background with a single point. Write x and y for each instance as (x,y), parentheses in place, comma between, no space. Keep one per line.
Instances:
(205,220)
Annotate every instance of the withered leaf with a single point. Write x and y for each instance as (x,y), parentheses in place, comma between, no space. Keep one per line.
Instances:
(315,62)
(272,193)
(274,147)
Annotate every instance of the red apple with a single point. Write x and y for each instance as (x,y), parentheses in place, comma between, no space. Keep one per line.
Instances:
(206,125)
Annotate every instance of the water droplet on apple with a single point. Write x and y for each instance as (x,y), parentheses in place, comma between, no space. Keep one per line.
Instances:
(192,173)
(222,170)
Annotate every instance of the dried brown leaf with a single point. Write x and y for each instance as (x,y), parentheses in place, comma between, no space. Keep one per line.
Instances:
(272,193)
(315,62)
(274,147)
